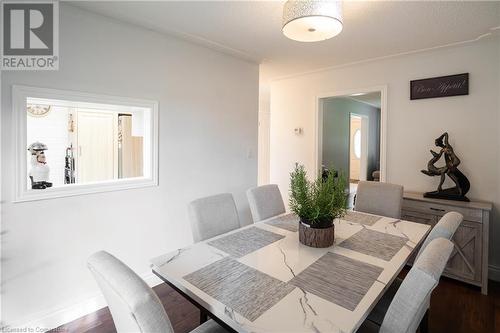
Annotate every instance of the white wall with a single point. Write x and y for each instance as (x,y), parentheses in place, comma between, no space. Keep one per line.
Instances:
(263,155)
(264,131)
(208,126)
(472,121)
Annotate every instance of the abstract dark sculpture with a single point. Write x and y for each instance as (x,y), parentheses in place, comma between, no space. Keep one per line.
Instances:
(451,160)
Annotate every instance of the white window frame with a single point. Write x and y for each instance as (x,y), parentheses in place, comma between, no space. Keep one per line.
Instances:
(19,97)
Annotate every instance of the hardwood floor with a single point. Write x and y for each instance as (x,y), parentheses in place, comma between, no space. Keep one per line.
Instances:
(455,307)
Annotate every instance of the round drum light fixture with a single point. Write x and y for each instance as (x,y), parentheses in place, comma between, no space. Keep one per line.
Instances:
(312,21)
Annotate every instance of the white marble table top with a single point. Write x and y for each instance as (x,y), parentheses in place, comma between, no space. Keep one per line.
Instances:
(292,309)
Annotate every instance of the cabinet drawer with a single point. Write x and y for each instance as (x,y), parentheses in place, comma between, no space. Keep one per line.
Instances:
(439,209)
(419,217)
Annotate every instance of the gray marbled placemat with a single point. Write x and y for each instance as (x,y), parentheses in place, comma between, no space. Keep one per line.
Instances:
(245,241)
(245,290)
(338,279)
(375,243)
(288,222)
(360,218)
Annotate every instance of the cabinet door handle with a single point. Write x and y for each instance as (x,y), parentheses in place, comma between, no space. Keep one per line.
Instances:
(436,209)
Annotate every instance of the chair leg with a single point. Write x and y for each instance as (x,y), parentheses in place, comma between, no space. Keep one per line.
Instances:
(203,316)
(424,324)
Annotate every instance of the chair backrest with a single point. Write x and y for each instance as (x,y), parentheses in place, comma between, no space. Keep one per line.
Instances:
(410,302)
(445,228)
(379,199)
(132,303)
(265,202)
(213,216)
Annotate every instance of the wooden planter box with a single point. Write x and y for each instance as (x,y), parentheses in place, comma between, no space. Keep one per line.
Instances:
(316,237)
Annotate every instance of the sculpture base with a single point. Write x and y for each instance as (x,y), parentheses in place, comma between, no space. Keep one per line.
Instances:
(447,194)
(316,237)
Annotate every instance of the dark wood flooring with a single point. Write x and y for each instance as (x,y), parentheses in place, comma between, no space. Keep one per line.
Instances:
(455,307)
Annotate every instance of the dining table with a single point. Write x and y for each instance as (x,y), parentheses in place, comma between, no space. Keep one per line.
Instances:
(260,278)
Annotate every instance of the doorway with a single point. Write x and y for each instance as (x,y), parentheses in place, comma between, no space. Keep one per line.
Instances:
(96,158)
(350,136)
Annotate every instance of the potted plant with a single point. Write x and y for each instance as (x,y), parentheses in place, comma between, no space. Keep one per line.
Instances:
(317,204)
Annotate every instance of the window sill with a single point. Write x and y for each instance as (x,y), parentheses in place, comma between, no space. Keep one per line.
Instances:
(84,189)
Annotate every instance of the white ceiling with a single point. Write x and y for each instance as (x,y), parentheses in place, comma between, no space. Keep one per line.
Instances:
(252,29)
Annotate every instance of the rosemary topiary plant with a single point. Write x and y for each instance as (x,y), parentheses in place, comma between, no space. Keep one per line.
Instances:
(318,202)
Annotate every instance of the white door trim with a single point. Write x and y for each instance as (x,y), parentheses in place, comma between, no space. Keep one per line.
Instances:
(318,125)
(365,134)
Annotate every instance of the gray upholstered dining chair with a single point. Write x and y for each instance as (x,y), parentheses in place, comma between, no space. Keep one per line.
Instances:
(132,303)
(212,216)
(409,305)
(379,198)
(445,228)
(265,202)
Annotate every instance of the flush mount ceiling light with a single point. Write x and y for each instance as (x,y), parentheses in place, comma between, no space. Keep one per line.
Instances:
(312,21)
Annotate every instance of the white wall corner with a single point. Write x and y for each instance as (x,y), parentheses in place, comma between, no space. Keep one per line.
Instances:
(56,317)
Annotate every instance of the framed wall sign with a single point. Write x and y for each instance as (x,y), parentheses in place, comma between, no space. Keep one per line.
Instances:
(443,86)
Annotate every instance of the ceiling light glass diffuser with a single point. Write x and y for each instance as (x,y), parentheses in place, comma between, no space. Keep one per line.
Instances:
(312,21)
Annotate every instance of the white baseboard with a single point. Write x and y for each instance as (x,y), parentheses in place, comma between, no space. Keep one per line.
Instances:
(494,273)
(56,317)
